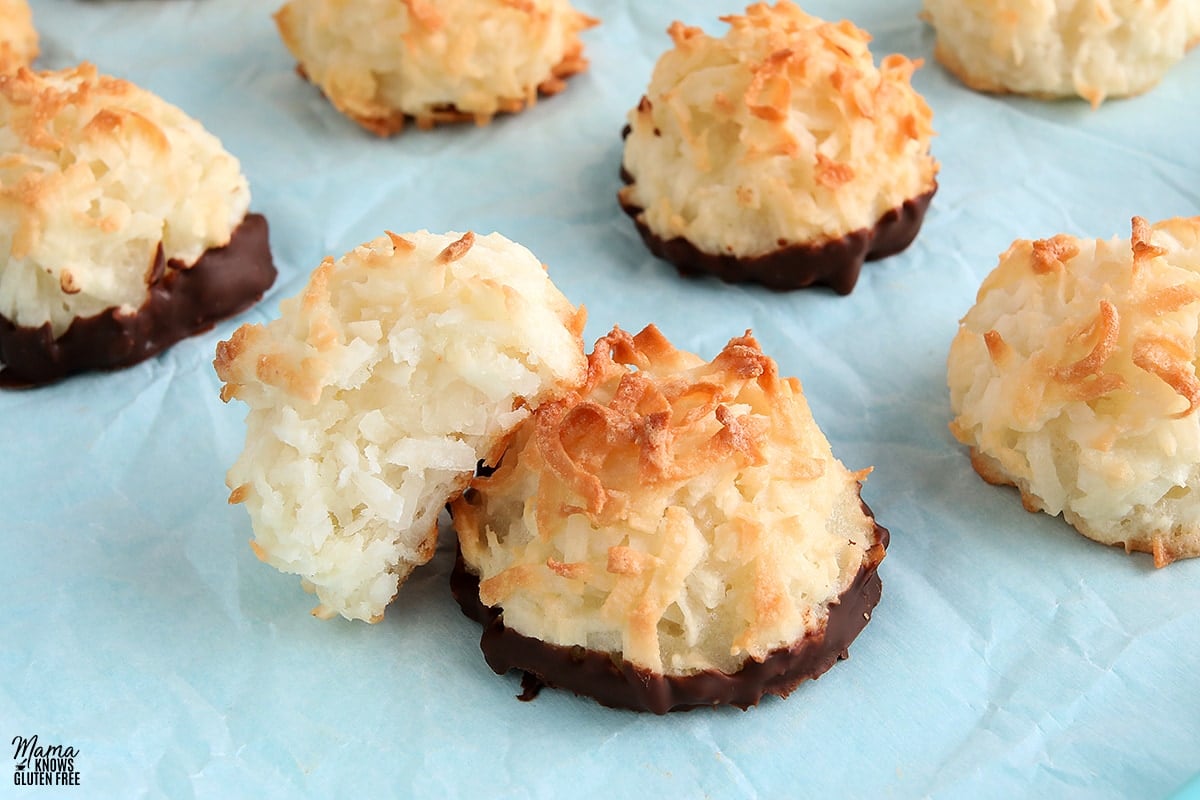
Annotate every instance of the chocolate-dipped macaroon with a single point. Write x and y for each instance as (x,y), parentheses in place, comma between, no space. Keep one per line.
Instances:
(675,534)
(778,154)
(1051,49)
(1073,377)
(18,37)
(377,392)
(123,227)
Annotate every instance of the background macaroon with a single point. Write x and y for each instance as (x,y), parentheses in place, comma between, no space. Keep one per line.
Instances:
(779,153)
(381,62)
(124,226)
(1073,377)
(677,533)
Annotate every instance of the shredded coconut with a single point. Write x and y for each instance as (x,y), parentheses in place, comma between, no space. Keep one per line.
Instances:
(376,392)
(681,514)
(781,132)
(379,61)
(96,174)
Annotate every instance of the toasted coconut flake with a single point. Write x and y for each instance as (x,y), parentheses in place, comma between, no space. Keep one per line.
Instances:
(457,250)
(1158,548)
(1052,254)
(423,13)
(83,176)
(18,38)
(1143,248)
(574,571)
(399,243)
(1094,387)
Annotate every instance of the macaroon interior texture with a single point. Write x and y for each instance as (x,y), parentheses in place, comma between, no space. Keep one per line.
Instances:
(678,514)
(375,394)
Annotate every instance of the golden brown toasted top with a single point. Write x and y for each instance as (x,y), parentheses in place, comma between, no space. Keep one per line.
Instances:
(686,514)
(95,174)
(787,127)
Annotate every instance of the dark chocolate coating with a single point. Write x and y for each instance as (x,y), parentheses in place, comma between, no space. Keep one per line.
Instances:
(616,683)
(835,263)
(179,303)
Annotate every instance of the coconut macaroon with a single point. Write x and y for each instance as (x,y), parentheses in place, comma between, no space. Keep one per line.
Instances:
(778,153)
(382,61)
(677,533)
(18,38)
(123,226)
(376,393)
(1073,378)
(1093,49)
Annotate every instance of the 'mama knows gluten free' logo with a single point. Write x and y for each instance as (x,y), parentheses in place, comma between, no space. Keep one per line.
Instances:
(43,765)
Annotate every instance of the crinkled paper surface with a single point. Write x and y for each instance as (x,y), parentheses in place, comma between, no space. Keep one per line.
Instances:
(1008,657)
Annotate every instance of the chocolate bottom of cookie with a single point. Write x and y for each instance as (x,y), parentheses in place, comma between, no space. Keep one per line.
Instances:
(617,683)
(835,263)
(179,303)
